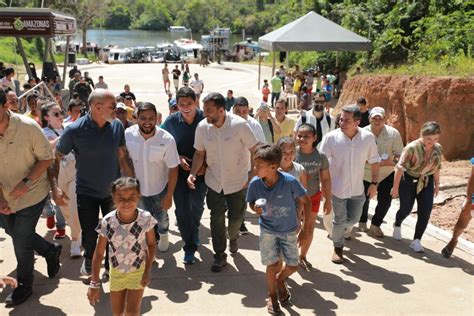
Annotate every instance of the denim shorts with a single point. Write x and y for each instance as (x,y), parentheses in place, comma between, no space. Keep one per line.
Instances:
(275,245)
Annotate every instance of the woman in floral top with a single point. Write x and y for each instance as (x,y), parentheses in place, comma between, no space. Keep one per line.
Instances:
(129,232)
(417,178)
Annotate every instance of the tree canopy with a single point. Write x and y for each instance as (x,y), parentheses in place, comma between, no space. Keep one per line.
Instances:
(401,31)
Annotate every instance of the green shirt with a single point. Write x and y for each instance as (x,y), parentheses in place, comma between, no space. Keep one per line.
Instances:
(276,84)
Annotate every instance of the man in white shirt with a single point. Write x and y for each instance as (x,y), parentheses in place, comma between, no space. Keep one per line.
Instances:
(101,84)
(320,119)
(155,160)
(220,141)
(241,108)
(198,86)
(347,149)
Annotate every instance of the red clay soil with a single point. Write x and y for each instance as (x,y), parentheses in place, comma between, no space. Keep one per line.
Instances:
(445,215)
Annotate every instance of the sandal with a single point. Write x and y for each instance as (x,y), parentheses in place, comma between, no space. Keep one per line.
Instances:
(284,295)
(446,252)
(305,264)
(273,307)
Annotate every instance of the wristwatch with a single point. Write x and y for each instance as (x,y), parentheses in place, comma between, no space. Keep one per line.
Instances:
(27,181)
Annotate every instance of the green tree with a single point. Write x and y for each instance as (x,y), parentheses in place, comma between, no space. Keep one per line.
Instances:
(118,17)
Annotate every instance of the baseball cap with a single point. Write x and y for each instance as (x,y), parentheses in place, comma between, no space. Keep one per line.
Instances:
(263,105)
(377,111)
(172,103)
(122,106)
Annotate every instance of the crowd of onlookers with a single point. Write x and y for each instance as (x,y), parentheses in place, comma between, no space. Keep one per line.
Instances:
(119,157)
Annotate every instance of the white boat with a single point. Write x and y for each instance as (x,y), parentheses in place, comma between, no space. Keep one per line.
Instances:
(189,49)
(178,29)
(119,55)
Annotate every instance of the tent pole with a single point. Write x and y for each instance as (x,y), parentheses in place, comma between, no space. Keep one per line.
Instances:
(66,61)
(23,56)
(287,61)
(273,66)
(259,67)
(51,55)
(337,59)
(46,49)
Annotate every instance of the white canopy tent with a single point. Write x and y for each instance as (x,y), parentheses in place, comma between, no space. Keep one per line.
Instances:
(311,32)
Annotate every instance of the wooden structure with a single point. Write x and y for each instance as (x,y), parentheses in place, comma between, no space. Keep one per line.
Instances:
(36,22)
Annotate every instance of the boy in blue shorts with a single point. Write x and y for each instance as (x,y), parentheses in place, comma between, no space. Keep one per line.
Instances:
(277,197)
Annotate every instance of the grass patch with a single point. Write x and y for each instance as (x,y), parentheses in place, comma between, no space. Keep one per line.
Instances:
(459,66)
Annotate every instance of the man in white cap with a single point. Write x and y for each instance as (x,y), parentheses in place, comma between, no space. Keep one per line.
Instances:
(389,146)
(121,111)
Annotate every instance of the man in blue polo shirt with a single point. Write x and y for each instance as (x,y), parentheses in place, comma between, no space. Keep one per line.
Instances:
(98,142)
(189,203)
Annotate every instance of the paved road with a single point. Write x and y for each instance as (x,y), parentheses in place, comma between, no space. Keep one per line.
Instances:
(380,277)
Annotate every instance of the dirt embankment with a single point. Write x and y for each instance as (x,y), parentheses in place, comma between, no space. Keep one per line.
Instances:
(411,101)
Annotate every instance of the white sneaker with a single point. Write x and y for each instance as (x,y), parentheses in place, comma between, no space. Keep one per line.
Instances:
(83,269)
(416,246)
(163,244)
(75,249)
(397,232)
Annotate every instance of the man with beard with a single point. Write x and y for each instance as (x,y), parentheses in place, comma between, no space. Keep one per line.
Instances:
(220,141)
(189,203)
(98,142)
(155,160)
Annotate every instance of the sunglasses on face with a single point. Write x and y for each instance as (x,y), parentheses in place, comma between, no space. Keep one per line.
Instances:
(57,114)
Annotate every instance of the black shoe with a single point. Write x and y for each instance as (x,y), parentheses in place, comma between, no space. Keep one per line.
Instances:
(19,295)
(243,229)
(52,260)
(219,264)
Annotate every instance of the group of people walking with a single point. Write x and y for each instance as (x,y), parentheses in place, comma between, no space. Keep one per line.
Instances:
(131,176)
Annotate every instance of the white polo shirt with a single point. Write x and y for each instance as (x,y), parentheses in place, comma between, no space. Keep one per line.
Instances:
(347,159)
(152,158)
(225,152)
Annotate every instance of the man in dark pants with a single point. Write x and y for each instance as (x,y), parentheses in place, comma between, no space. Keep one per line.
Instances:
(98,142)
(389,146)
(25,155)
(220,142)
(189,203)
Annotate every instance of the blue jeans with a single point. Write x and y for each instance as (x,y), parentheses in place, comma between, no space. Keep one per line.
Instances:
(346,213)
(424,200)
(52,210)
(152,204)
(21,228)
(189,207)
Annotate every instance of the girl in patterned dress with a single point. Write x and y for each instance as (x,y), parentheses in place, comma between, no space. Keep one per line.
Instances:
(129,232)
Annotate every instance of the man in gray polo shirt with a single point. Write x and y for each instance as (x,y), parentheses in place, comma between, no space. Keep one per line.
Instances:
(98,142)
(221,140)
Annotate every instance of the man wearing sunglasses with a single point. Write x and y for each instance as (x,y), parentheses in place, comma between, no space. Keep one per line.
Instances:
(98,142)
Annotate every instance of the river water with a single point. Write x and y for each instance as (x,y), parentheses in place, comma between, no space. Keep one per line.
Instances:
(129,38)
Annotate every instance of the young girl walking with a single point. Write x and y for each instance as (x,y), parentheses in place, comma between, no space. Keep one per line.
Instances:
(287,164)
(129,232)
(316,166)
